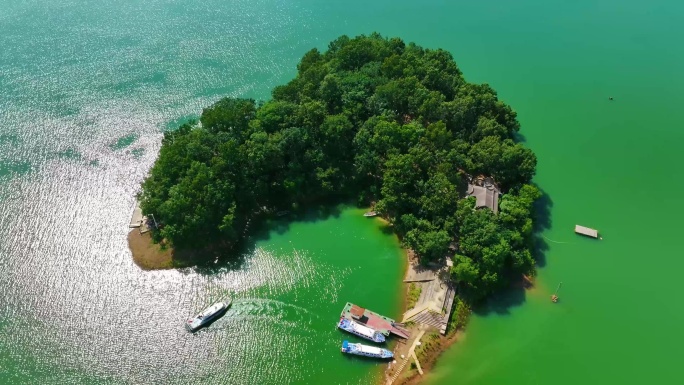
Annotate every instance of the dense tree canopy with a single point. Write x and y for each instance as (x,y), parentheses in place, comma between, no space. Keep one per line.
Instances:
(371,119)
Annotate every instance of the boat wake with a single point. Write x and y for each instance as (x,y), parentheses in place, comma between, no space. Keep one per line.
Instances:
(551,240)
(270,310)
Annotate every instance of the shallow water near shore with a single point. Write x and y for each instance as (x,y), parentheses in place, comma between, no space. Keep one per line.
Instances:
(87,88)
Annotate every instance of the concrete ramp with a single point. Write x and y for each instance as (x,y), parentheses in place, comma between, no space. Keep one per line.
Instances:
(137,218)
(416,273)
(430,318)
(412,312)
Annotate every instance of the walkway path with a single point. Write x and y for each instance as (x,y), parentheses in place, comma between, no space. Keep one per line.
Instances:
(420,370)
(411,353)
(411,313)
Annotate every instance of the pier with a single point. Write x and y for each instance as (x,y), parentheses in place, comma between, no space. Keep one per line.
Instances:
(137,217)
(138,221)
(586,231)
(384,325)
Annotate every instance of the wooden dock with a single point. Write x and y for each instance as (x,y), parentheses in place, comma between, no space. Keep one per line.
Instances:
(137,217)
(586,231)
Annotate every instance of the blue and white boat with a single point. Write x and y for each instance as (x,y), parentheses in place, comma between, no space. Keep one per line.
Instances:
(365,350)
(359,330)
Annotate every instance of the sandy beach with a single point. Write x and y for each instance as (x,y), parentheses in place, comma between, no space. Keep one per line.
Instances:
(147,254)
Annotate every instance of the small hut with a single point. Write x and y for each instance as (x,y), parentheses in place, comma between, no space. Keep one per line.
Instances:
(357,312)
(486,196)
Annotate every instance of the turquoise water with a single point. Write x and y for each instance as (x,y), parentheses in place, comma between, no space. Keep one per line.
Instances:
(86,88)
(607,165)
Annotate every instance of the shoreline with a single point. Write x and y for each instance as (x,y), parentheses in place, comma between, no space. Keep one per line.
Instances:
(429,358)
(147,254)
(431,346)
(432,343)
(152,256)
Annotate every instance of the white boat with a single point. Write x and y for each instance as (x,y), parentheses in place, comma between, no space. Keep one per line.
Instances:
(365,350)
(360,330)
(370,214)
(207,315)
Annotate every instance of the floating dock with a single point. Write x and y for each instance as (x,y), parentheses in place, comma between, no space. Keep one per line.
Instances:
(373,320)
(586,231)
(140,222)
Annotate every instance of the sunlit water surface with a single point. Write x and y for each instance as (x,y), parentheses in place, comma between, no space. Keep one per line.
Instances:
(87,88)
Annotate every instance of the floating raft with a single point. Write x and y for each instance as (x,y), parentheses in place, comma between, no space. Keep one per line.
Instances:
(586,231)
(384,325)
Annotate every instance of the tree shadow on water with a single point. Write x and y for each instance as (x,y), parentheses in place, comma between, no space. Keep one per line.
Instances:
(218,259)
(542,222)
(209,261)
(519,137)
(387,229)
(501,302)
(280,224)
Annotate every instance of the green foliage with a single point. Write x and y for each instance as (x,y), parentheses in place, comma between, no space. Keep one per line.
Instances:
(413,295)
(232,115)
(461,315)
(370,119)
(430,343)
(490,246)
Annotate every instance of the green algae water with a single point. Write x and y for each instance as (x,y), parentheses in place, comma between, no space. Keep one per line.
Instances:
(87,88)
(601,163)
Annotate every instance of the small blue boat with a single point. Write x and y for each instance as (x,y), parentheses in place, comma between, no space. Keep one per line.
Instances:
(365,350)
(359,330)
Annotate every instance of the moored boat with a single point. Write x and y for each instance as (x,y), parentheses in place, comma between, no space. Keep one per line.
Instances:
(360,330)
(371,214)
(365,350)
(207,315)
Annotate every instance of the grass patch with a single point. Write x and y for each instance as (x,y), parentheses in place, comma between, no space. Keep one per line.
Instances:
(461,315)
(413,295)
(428,344)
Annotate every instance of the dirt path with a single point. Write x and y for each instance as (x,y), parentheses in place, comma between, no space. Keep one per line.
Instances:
(408,353)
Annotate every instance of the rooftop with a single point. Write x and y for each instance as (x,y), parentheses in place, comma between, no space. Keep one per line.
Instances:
(364,330)
(369,349)
(486,196)
(357,311)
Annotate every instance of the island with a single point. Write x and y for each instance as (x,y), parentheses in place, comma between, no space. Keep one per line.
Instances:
(374,121)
